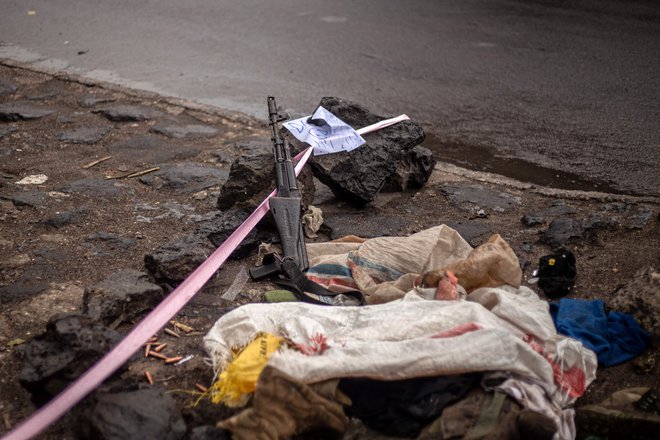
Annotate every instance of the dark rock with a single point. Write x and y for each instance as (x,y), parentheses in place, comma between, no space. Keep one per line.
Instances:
(557,209)
(612,216)
(84,135)
(74,216)
(322,194)
(5,130)
(640,297)
(413,171)
(68,347)
(121,297)
(361,223)
(186,177)
(472,232)
(66,119)
(53,254)
(628,215)
(181,130)
(600,221)
(252,177)
(31,282)
(251,174)
(533,219)
(110,241)
(468,196)
(129,113)
(16,111)
(175,260)
(90,100)
(147,413)
(208,432)
(31,198)
(524,263)
(7,88)
(526,247)
(222,156)
(359,175)
(50,89)
(151,149)
(561,231)
(219,228)
(95,187)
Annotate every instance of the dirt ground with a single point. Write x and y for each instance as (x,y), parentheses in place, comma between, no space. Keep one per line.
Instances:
(44,269)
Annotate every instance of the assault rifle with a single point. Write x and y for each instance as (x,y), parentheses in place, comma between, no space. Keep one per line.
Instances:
(285,206)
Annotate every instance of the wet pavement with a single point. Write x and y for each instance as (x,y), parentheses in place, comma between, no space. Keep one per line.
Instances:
(561,94)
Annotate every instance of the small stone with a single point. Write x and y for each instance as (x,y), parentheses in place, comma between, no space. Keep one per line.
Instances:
(21,111)
(201,195)
(110,240)
(127,113)
(179,130)
(35,179)
(466,196)
(361,223)
(90,100)
(150,150)
(34,199)
(6,129)
(7,88)
(50,89)
(561,231)
(186,177)
(84,135)
(95,187)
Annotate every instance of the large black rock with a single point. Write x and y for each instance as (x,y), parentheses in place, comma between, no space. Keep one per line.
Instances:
(223,224)
(252,177)
(357,176)
(69,346)
(121,296)
(413,171)
(147,413)
(250,174)
(175,260)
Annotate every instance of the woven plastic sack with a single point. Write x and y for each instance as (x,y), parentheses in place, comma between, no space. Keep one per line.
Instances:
(239,379)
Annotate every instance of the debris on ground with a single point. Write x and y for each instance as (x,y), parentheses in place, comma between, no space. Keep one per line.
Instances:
(433,250)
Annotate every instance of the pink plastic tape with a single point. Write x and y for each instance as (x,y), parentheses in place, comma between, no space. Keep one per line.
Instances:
(151,324)
(158,318)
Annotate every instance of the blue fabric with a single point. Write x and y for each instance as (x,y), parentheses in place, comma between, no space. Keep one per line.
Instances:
(615,337)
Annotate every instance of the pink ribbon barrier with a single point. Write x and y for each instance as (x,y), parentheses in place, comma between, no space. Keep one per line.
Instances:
(152,323)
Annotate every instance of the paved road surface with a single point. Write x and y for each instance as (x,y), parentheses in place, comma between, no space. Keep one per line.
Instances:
(523,88)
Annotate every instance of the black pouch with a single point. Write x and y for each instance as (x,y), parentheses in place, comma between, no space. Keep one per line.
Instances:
(557,273)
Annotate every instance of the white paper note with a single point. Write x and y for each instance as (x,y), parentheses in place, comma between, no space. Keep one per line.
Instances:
(332,136)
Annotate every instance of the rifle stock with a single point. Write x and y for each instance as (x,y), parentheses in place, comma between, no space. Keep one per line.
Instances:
(285,206)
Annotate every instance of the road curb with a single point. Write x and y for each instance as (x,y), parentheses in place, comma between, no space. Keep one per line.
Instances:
(242,118)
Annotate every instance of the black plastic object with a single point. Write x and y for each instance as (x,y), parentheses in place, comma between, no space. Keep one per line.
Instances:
(557,273)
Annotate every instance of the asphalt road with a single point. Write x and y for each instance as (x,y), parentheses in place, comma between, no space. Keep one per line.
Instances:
(563,93)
